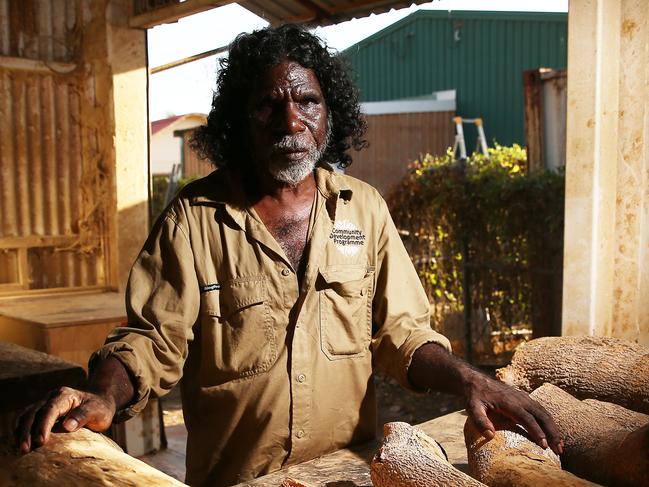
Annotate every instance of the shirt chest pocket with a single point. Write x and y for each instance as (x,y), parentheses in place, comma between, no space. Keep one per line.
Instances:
(238,339)
(345,310)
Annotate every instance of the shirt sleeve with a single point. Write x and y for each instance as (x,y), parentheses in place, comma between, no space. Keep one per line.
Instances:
(162,305)
(401,311)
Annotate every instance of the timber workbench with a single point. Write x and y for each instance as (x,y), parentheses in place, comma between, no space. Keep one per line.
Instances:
(70,326)
(350,467)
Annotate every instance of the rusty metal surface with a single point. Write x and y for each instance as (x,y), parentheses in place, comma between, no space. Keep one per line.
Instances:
(50,233)
(313,12)
(545,117)
(38,29)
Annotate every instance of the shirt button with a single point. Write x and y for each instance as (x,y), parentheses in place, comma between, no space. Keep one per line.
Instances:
(285,272)
(301,378)
(300,434)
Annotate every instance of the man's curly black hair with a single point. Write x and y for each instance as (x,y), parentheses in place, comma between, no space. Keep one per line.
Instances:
(224,139)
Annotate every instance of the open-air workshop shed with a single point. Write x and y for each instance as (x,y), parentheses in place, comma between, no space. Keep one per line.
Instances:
(74,174)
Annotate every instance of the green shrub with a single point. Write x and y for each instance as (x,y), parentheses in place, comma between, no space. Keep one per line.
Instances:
(493,218)
(160,183)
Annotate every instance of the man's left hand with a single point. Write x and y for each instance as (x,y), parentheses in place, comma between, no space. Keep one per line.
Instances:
(434,368)
(486,396)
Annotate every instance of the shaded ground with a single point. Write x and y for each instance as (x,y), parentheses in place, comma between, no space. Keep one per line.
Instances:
(397,404)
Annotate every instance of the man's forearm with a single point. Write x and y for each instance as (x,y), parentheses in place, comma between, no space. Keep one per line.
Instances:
(110,379)
(434,368)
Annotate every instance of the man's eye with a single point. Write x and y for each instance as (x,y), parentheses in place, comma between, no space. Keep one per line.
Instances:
(310,100)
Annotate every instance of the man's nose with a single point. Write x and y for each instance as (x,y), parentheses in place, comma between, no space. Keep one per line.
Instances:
(290,120)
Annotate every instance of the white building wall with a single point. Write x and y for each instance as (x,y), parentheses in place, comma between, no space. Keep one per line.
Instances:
(165,148)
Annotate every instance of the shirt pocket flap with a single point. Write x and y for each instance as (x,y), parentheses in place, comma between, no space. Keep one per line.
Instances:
(243,292)
(347,280)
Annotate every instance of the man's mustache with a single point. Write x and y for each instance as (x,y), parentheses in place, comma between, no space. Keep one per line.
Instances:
(292,144)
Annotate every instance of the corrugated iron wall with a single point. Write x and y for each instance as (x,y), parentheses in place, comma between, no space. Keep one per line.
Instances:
(48,234)
(480,54)
(395,141)
(38,29)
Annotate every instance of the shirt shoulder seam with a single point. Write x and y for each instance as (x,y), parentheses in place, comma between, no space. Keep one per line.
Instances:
(172,217)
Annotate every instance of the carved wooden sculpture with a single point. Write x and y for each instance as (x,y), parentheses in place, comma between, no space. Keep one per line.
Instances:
(82,458)
(409,458)
(596,447)
(607,369)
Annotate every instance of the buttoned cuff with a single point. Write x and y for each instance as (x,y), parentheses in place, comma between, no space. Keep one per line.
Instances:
(410,346)
(125,354)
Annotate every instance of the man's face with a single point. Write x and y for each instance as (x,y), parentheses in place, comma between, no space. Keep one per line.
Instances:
(288,122)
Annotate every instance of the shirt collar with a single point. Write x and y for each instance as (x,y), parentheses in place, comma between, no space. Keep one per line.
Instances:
(224,187)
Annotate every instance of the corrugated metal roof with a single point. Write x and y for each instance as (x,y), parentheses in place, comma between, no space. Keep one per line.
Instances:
(148,13)
(158,125)
(320,12)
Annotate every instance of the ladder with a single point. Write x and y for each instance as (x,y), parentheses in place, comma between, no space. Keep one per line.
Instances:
(481,143)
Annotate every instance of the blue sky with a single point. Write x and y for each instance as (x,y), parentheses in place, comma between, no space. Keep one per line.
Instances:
(188,88)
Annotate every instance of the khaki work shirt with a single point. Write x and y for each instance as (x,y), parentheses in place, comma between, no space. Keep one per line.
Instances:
(274,372)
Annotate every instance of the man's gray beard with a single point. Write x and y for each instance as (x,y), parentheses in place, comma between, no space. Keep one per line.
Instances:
(294,173)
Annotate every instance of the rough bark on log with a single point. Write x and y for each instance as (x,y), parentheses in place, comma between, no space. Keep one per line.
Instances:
(409,458)
(627,419)
(510,459)
(597,448)
(82,458)
(603,368)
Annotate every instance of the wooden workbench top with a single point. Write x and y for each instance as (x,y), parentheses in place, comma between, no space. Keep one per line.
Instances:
(351,467)
(66,310)
(19,364)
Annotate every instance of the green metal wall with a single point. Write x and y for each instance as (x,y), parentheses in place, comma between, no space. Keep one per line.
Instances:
(480,54)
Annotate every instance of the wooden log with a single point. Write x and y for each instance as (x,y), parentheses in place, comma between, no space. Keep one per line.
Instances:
(603,368)
(409,458)
(596,447)
(82,458)
(510,459)
(627,419)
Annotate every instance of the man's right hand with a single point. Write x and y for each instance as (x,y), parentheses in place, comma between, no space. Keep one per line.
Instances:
(112,390)
(75,409)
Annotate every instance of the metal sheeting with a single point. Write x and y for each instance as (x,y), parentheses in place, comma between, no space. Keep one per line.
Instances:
(43,204)
(396,140)
(480,54)
(148,13)
(41,165)
(40,151)
(38,29)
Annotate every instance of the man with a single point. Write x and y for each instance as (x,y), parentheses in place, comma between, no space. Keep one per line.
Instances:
(272,287)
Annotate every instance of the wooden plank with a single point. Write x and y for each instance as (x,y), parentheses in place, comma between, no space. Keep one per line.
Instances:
(351,466)
(36,66)
(56,291)
(77,342)
(23,268)
(52,311)
(173,12)
(37,241)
